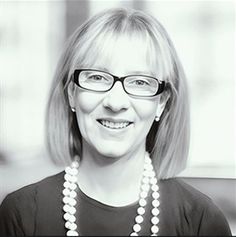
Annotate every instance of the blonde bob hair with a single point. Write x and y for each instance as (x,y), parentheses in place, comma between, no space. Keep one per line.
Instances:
(168,140)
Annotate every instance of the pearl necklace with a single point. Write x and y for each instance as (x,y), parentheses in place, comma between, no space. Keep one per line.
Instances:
(148,180)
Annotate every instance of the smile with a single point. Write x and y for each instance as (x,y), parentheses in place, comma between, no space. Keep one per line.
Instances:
(113,125)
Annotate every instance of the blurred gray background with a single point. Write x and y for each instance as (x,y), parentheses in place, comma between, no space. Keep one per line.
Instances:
(32,35)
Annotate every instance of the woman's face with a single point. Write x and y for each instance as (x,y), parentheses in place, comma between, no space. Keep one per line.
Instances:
(114,123)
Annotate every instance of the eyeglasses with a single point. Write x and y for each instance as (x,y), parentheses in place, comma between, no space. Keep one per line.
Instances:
(100,81)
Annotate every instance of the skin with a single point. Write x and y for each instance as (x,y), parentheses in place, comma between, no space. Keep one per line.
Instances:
(115,156)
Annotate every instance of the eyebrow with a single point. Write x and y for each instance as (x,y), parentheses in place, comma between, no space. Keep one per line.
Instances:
(142,73)
(102,69)
(130,73)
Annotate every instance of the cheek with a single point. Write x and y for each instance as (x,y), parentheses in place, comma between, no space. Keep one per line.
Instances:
(146,109)
(86,102)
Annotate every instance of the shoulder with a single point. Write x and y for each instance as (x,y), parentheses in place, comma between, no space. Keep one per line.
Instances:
(198,209)
(184,198)
(25,199)
(185,192)
(29,192)
(20,209)
(27,195)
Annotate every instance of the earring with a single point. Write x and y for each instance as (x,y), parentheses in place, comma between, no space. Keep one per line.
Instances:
(72,109)
(157,118)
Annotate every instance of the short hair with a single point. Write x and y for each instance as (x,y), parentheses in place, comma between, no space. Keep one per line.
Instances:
(168,140)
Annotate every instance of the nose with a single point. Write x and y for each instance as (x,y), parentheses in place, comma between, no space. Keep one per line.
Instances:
(116,99)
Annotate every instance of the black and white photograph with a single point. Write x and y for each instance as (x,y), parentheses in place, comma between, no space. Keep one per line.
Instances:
(117,118)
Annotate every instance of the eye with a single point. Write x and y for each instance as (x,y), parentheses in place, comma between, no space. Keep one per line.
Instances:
(139,82)
(97,77)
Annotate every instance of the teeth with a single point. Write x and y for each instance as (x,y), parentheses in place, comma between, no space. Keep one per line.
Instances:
(114,125)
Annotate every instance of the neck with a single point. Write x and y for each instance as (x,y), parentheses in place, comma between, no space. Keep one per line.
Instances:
(118,177)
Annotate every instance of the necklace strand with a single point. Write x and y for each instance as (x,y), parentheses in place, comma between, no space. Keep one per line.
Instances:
(149,180)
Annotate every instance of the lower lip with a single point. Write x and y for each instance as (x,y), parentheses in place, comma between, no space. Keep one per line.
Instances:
(115,129)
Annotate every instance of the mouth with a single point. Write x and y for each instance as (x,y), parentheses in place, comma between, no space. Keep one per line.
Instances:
(114,125)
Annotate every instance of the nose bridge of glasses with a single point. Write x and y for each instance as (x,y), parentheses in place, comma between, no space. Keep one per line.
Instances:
(118,79)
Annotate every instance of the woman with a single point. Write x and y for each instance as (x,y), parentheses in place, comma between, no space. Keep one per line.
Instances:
(118,116)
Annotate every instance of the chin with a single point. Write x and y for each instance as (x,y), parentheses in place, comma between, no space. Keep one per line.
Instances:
(112,151)
(112,154)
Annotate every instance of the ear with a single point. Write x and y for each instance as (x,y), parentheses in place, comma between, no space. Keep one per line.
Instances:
(161,104)
(71,93)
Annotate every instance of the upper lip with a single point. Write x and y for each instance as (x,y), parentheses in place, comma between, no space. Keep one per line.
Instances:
(116,120)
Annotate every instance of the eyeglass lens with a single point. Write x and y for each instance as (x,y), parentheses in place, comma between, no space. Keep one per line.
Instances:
(101,81)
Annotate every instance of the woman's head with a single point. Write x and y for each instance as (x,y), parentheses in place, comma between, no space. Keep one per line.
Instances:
(121,42)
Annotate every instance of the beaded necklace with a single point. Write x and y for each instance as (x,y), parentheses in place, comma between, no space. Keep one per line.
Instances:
(149,180)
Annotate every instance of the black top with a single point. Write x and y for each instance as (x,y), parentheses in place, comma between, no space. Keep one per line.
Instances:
(37,210)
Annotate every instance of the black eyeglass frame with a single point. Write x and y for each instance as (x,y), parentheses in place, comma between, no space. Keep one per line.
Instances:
(121,79)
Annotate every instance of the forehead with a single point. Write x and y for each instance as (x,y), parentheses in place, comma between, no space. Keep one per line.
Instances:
(122,54)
